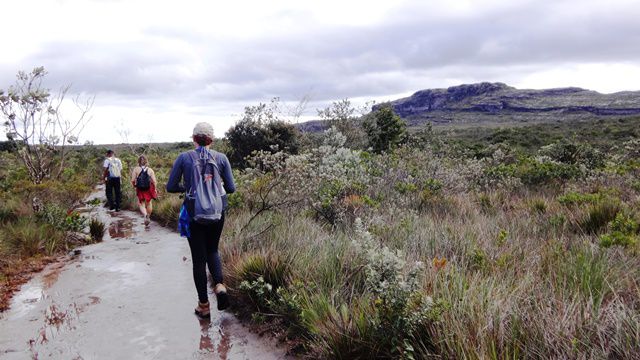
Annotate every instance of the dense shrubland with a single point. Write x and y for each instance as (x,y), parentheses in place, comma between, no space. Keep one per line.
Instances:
(437,250)
(443,246)
(447,243)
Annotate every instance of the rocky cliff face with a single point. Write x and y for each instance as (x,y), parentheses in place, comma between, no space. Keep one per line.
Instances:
(499,102)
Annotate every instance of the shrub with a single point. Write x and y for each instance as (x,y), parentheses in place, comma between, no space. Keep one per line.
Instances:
(538,206)
(623,231)
(96,229)
(573,153)
(261,129)
(385,129)
(261,277)
(401,309)
(28,238)
(577,198)
(9,210)
(274,269)
(62,219)
(599,215)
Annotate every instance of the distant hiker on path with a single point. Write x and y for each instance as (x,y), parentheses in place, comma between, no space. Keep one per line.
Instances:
(111,175)
(143,178)
(205,177)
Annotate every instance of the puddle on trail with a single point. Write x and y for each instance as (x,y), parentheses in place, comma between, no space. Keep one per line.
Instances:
(52,274)
(121,300)
(215,332)
(121,227)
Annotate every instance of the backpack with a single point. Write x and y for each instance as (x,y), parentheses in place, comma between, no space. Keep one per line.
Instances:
(114,167)
(206,190)
(143,182)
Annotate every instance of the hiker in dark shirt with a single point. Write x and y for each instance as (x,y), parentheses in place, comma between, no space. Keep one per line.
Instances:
(203,239)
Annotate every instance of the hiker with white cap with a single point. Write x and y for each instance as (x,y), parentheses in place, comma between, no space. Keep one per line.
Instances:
(205,177)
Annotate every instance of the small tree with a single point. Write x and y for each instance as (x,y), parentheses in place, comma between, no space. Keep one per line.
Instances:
(35,121)
(385,130)
(261,129)
(341,115)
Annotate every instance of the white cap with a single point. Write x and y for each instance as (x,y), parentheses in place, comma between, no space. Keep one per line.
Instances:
(203,128)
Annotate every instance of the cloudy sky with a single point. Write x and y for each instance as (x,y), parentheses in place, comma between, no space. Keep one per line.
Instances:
(158,67)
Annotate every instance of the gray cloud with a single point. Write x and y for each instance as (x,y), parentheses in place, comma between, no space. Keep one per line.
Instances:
(413,49)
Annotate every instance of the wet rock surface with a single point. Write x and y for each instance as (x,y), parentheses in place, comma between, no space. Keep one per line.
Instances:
(131,296)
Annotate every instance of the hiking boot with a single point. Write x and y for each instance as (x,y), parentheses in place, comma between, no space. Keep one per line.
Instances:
(202,310)
(146,220)
(222,296)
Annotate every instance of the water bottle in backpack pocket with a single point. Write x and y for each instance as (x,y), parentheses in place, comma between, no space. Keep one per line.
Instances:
(206,190)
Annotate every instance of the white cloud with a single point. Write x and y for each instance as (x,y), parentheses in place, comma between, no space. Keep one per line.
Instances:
(150,62)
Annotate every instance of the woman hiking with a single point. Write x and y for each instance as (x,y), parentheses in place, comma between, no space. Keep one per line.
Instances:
(143,178)
(203,170)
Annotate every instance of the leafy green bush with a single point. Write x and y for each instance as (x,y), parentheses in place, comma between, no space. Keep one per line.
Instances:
(569,152)
(535,172)
(385,129)
(623,231)
(577,198)
(62,219)
(261,129)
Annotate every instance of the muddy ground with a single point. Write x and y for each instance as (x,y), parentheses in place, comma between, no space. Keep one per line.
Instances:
(128,297)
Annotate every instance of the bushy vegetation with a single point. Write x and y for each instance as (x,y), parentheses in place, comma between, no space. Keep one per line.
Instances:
(261,129)
(40,221)
(431,251)
(442,244)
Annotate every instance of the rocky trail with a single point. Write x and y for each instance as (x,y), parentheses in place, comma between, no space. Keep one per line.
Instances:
(128,297)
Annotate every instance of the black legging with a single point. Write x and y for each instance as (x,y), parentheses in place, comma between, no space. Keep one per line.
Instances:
(204,250)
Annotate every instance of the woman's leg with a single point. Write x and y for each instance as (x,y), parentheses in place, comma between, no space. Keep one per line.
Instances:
(199,258)
(213,256)
(149,207)
(142,207)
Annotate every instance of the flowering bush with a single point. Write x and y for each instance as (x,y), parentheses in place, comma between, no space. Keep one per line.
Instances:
(401,308)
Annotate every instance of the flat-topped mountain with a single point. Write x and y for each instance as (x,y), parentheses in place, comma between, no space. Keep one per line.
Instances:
(499,102)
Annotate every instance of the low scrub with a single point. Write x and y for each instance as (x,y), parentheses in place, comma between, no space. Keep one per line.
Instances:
(167,210)
(28,238)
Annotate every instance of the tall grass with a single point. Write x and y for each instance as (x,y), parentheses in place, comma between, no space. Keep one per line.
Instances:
(167,210)
(28,238)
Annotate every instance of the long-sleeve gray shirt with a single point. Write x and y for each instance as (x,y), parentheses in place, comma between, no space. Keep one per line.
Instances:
(180,179)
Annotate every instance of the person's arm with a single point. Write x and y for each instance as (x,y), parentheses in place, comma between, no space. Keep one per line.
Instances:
(134,177)
(105,172)
(173,184)
(227,175)
(152,175)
